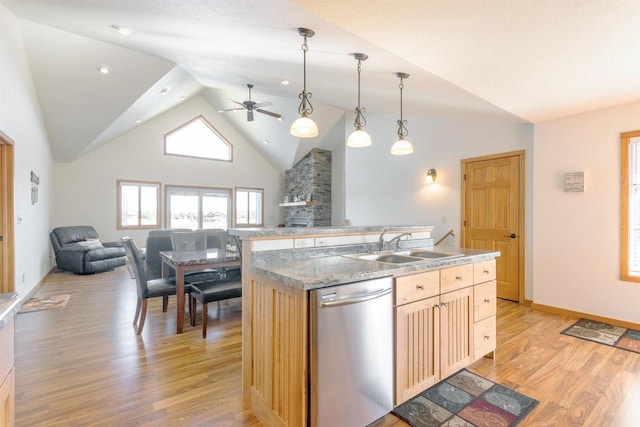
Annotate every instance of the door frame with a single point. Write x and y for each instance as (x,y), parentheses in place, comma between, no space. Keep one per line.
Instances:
(520,154)
(7,260)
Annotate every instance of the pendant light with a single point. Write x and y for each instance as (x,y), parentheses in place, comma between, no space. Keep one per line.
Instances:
(402,146)
(304,127)
(358,137)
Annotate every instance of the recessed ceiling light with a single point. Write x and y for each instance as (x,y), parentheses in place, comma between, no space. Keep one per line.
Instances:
(139,121)
(266,141)
(284,82)
(164,91)
(104,69)
(121,30)
(182,98)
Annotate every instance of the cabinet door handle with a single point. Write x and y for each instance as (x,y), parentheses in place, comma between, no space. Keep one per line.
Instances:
(445,304)
(485,271)
(437,306)
(487,337)
(458,277)
(487,300)
(421,287)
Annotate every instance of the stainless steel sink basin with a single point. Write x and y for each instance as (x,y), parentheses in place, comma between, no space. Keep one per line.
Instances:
(389,258)
(427,254)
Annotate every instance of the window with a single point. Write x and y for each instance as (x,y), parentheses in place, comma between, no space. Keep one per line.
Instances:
(138,204)
(249,207)
(198,138)
(198,208)
(630,206)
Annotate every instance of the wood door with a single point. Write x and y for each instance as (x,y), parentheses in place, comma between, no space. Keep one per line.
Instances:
(6,214)
(492,214)
(417,347)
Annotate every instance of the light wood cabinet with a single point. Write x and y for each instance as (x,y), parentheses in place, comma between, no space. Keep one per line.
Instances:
(7,377)
(484,301)
(442,324)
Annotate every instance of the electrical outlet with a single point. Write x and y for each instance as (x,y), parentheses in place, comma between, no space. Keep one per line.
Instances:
(444,219)
(22,277)
(321,242)
(299,243)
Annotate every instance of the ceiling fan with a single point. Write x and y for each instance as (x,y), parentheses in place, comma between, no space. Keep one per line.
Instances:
(252,106)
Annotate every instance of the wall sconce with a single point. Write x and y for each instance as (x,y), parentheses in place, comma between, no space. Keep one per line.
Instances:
(431,176)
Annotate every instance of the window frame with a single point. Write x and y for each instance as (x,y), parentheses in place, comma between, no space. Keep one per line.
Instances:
(138,183)
(625,205)
(167,193)
(235,207)
(212,128)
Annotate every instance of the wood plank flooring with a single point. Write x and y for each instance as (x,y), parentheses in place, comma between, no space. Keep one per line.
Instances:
(84,365)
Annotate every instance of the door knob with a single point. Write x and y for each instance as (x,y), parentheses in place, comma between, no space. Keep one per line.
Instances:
(512,235)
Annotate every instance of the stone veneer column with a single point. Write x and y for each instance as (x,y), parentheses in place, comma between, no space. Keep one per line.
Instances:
(311,175)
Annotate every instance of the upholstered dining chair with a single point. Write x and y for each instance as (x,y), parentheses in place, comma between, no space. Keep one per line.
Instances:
(187,241)
(212,291)
(163,287)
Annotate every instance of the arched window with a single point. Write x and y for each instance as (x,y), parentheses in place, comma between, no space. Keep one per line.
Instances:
(198,138)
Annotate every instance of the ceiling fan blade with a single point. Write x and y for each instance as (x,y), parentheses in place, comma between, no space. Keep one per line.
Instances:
(269,113)
(263,104)
(239,103)
(230,109)
(250,115)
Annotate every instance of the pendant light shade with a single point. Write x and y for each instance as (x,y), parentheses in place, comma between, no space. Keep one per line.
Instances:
(304,127)
(402,146)
(359,138)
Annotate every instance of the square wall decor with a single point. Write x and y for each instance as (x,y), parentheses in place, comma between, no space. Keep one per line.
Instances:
(574,182)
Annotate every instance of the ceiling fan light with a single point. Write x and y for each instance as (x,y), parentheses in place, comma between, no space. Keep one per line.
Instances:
(359,139)
(304,127)
(401,147)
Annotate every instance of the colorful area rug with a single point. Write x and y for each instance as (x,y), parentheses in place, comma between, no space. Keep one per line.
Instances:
(466,400)
(603,333)
(45,303)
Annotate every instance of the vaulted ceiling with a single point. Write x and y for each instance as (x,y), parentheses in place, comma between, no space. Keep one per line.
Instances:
(506,60)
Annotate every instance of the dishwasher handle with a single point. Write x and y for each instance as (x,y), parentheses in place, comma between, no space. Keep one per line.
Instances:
(352,299)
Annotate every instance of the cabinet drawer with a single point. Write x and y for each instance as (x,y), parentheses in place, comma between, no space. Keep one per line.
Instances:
(484,337)
(484,300)
(484,271)
(6,350)
(417,286)
(456,278)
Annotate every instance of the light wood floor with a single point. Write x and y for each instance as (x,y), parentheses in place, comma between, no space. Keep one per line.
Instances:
(84,365)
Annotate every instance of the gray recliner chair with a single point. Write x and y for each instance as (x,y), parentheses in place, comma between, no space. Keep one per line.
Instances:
(79,250)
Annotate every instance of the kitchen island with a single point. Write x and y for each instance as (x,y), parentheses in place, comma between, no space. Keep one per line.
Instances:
(282,266)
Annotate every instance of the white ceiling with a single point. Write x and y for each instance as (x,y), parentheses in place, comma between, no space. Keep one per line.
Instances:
(509,60)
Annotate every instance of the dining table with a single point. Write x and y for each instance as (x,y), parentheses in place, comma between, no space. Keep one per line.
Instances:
(185,261)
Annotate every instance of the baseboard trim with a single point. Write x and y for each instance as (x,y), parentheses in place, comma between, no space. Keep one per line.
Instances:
(35,289)
(578,314)
(528,302)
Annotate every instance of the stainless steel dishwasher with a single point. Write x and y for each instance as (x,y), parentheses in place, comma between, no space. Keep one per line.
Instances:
(351,349)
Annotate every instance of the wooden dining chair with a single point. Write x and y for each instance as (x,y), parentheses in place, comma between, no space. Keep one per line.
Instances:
(163,287)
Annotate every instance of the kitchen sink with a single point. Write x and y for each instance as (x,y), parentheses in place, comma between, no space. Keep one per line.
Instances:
(389,258)
(427,254)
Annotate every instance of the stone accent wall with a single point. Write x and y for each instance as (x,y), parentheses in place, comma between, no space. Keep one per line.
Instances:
(310,176)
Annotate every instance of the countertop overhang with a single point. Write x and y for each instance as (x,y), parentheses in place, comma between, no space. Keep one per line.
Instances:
(321,272)
(8,307)
(246,233)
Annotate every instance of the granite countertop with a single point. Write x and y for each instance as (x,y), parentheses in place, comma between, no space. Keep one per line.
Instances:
(8,307)
(328,271)
(305,231)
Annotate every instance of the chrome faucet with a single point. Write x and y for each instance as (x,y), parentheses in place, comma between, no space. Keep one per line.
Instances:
(381,241)
(397,239)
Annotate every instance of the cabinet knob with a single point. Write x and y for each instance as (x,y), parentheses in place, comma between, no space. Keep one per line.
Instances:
(458,277)
(485,271)
(437,306)
(487,337)
(445,304)
(421,287)
(487,300)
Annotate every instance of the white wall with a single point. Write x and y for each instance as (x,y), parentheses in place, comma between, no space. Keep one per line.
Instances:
(382,189)
(85,190)
(577,251)
(21,120)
